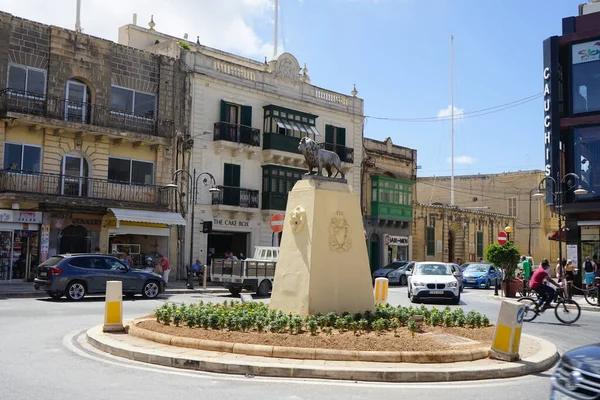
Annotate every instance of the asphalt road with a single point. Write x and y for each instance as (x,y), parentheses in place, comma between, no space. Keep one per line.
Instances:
(41,358)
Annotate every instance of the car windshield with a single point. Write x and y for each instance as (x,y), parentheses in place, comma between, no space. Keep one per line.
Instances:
(395,265)
(477,268)
(432,269)
(52,261)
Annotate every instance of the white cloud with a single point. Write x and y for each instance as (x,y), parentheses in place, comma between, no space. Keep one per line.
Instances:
(462,160)
(228,25)
(447,112)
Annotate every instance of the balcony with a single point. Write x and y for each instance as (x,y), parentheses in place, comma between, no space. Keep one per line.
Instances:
(274,201)
(275,141)
(237,134)
(236,197)
(346,154)
(39,105)
(64,187)
(392,211)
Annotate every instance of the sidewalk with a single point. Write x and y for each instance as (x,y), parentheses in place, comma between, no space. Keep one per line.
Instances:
(26,289)
(537,355)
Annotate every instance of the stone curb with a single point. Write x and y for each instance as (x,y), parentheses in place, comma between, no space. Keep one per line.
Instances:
(300,353)
(148,352)
(584,307)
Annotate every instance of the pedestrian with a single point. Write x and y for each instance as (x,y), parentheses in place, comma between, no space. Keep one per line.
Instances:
(560,275)
(481,260)
(526,271)
(231,256)
(589,268)
(569,277)
(242,256)
(165,266)
(198,270)
(127,259)
(97,250)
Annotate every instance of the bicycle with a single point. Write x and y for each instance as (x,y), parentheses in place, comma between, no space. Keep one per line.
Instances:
(563,308)
(591,293)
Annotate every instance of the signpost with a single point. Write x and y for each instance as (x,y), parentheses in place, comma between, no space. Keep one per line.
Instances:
(276,226)
(502,238)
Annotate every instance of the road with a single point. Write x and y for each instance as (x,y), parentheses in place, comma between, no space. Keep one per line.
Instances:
(41,359)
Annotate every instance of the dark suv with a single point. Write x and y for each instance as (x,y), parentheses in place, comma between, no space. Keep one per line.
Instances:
(75,275)
(578,375)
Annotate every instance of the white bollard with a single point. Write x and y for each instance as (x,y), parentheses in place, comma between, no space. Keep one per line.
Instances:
(204,276)
(113,311)
(381,290)
(507,336)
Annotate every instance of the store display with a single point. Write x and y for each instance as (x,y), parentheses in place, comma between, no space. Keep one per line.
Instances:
(5,254)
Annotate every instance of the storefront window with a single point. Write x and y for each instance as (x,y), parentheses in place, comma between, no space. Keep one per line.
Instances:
(586,77)
(587,159)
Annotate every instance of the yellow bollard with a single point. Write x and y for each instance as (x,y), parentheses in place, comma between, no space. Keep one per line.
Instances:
(113,311)
(507,337)
(381,290)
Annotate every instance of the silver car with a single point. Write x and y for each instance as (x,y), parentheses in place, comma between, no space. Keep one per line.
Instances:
(395,272)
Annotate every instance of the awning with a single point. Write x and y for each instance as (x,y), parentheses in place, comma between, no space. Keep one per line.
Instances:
(554,236)
(297,126)
(153,217)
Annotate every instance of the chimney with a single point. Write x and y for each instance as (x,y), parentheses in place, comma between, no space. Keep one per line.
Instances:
(134,19)
(592,7)
(185,36)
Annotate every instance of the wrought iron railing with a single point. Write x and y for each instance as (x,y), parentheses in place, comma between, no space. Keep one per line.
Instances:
(78,187)
(12,100)
(235,196)
(346,154)
(237,133)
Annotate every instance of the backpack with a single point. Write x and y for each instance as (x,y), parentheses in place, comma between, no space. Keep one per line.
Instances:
(589,267)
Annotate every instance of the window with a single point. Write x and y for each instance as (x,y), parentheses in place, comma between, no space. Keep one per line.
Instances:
(479,244)
(22,157)
(430,238)
(280,180)
(512,206)
(130,171)
(586,80)
(288,122)
(587,159)
(391,190)
(27,79)
(130,101)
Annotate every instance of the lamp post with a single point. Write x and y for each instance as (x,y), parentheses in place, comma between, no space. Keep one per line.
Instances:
(557,195)
(529,243)
(193,188)
(508,231)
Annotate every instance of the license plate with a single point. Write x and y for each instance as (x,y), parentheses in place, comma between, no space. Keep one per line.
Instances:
(556,395)
(43,273)
(436,292)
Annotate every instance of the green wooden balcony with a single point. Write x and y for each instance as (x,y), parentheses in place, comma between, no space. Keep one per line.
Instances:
(401,212)
(274,201)
(275,141)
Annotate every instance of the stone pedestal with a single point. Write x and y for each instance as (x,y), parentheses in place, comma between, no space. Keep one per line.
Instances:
(323,265)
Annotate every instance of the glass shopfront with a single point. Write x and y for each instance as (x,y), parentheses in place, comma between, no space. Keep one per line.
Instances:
(590,241)
(19,244)
(397,248)
(587,159)
(586,77)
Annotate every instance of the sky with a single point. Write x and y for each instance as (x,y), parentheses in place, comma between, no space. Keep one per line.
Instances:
(397,52)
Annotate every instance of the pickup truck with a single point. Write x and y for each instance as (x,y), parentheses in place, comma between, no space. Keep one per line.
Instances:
(254,274)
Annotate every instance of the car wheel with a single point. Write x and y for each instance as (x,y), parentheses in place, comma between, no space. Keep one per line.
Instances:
(457,300)
(54,295)
(75,291)
(264,288)
(488,284)
(462,287)
(151,290)
(402,280)
(235,291)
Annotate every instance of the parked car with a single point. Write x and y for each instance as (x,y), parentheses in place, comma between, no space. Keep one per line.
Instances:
(433,280)
(395,272)
(458,274)
(481,275)
(578,374)
(75,275)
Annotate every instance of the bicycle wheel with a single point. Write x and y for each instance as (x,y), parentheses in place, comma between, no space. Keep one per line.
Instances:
(591,296)
(567,311)
(530,308)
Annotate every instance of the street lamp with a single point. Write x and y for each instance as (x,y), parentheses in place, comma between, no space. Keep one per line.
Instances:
(508,231)
(558,199)
(193,189)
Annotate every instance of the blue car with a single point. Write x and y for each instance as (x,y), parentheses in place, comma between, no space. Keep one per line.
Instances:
(480,275)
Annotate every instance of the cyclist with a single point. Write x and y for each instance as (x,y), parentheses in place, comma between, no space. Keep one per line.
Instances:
(539,277)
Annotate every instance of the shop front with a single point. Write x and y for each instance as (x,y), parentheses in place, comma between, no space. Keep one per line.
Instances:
(19,244)
(74,232)
(141,233)
(396,248)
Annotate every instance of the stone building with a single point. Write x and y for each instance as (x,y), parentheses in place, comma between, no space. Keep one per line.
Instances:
(389,172)
(535,229)
(87,132)
(247,120)
(444,233)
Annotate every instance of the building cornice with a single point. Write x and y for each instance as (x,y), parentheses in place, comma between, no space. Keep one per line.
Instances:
(463,210)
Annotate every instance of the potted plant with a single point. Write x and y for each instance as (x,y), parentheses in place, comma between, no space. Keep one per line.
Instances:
(505,257)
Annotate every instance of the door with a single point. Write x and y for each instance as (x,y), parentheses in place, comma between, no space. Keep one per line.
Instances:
(374,252)
(119,272)
(231,183)
(75,172)
(73,239)
(76,102)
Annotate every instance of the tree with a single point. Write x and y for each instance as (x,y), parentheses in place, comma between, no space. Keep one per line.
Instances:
(505,257)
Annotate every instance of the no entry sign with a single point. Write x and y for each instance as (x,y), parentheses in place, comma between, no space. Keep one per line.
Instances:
(502,238)
(277,223)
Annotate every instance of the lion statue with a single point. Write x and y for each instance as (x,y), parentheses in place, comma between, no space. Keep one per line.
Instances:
(319,158)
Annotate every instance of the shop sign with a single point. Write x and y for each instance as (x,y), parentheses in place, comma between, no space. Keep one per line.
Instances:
(586,52)
(44,242)
(28,217)
(112,224)
(396,240)
(232,223)
(92,222)
(552,76)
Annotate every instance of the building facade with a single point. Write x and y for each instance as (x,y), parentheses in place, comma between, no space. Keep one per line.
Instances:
(87,131)
(571,78)
(389,172)
(535,230)
(247,121)
(444,233)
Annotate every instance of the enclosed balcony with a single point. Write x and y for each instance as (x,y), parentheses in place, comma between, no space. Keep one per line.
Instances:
(40,105)
(64,188)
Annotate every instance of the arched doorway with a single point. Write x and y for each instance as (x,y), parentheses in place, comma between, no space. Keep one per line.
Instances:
(73,239)
(77,98)
(451,242)
(374,252)
(75,170)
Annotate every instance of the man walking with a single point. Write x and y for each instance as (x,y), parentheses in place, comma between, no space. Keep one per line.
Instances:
(165,265)
(526,271)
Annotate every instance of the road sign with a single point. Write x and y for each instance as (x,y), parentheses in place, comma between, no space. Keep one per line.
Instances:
(277,223)
(502,238)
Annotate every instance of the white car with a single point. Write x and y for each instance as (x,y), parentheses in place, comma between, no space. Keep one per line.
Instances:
(433,280)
